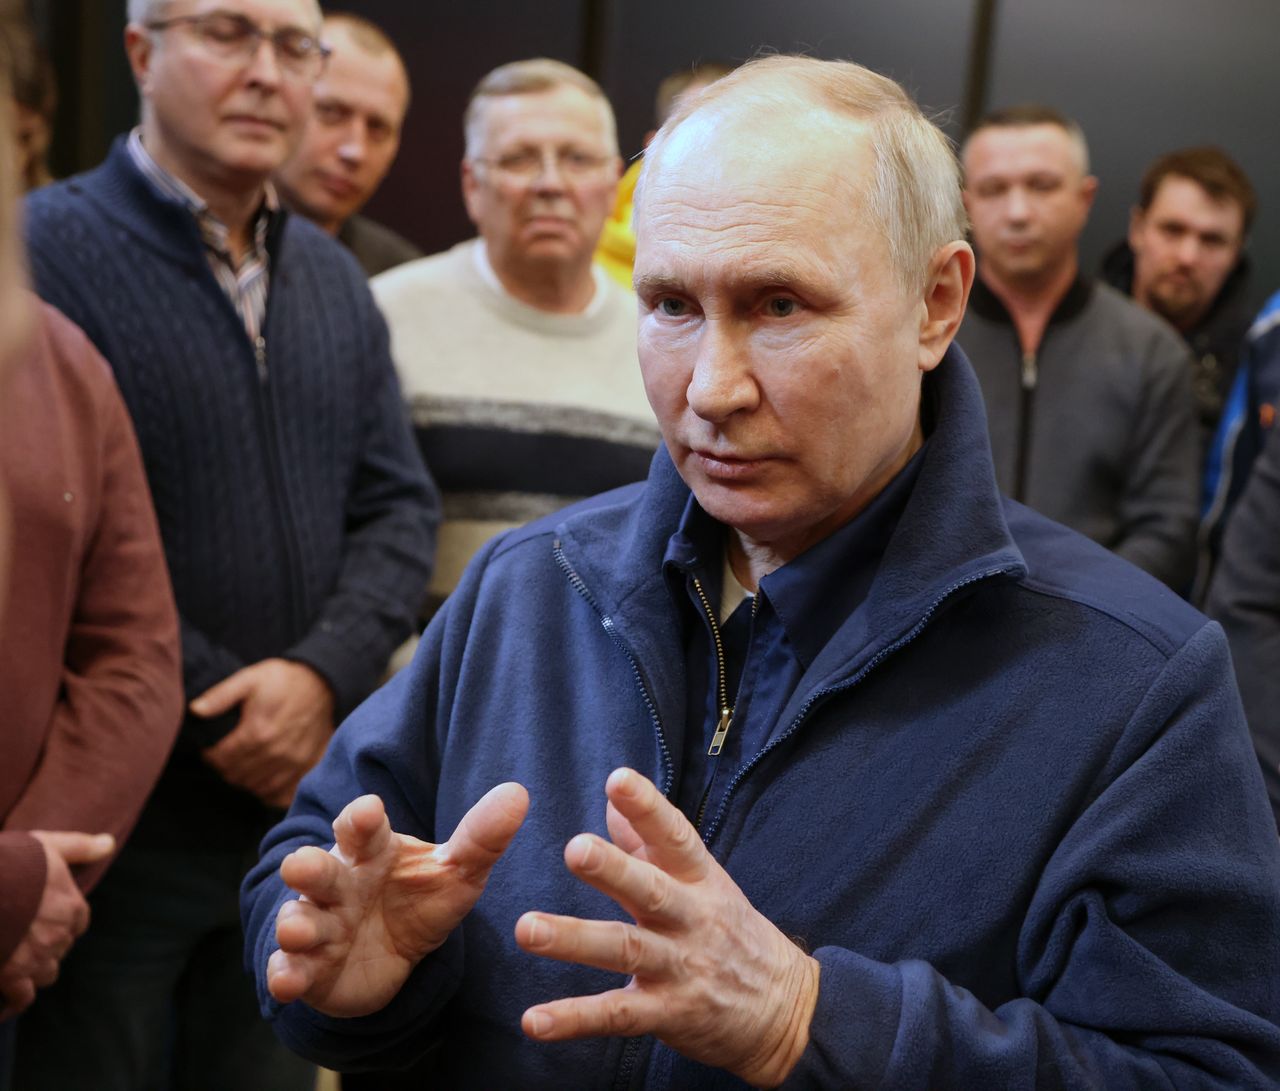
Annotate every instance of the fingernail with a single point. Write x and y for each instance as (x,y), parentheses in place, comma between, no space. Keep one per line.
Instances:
(625,782)
(585,848)
(540,1023)
(539,933)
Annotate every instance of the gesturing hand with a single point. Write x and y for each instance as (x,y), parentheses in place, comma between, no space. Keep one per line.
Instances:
(378,902)
(61,917)
(286,721)
(710,976)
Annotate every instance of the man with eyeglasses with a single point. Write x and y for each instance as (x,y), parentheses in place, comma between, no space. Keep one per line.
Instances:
(297,519)
(517,353)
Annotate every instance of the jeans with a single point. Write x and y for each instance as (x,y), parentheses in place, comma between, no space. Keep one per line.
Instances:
(155,997)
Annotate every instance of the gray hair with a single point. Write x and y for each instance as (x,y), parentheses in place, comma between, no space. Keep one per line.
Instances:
(527,78)
(145,11)
(148,11)
(914,193)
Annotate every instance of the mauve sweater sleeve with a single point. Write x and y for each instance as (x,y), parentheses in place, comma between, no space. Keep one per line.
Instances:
(121,689)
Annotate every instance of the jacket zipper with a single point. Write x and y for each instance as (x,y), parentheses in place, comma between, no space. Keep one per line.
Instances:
(722,688)
(1030,380)
(823,694)
(576,582)
(631,1050)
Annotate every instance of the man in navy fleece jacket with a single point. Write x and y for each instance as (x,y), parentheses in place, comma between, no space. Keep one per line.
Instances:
(906,786)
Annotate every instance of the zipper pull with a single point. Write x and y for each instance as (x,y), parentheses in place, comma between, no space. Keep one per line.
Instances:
(1030,375)
(722,730)
(260,357)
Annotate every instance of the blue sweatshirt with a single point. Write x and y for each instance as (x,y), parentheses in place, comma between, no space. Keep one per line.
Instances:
(1011,806)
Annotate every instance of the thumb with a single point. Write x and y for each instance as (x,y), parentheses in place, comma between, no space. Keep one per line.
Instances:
(225,695)
(77,848)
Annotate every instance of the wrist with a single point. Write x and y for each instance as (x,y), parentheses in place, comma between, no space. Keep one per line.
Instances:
(795,1018)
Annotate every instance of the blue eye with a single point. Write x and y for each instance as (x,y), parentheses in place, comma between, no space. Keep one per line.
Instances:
(672,308)
(781,307)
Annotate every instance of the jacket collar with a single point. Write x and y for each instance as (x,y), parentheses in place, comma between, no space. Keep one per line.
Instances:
(162,221)
(986,304)
(952,532)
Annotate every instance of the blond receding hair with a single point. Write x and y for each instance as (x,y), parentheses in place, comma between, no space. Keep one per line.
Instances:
(529,78)
(914,191)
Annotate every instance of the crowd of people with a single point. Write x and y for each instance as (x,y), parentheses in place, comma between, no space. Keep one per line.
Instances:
(736,620)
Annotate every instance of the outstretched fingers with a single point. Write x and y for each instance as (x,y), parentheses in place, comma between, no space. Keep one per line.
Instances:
(669,840)
(623,1013)
(486,830)
(362,830)
(607,945)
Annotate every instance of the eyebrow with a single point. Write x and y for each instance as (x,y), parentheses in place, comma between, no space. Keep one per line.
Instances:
(750,281)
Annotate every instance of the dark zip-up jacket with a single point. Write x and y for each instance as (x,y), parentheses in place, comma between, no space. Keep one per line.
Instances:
(1011,806)
(1095,429)
(1216,341)
(296,516)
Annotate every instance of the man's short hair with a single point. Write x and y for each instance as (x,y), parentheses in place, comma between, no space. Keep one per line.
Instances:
(914,194)
(371,38)
(1035,113)
(1212,169)
(529,78)
(144,11)
(696,75)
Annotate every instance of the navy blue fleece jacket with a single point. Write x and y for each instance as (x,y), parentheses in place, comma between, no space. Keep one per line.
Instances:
(1011,807)
(296,515)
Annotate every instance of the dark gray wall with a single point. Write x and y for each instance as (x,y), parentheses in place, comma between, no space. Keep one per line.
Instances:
(1146,76)
(1142,76)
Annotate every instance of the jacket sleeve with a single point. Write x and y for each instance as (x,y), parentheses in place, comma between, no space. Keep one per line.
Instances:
(1149,956)
(120,700)
(1159,504)
(23,869)
(390,746)
(392,513)
(1245,597)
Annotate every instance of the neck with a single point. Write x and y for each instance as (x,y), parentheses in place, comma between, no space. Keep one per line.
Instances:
(555,287)
(1031,301)
(753,558)
(233,199)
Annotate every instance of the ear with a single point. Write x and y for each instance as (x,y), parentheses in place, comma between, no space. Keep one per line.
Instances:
(138,47)
(1137,217)
(470,186)
(1088,190)
(946,293)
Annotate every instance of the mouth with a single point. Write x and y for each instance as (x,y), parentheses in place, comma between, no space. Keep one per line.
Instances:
(252,121)
(723,466)
(337,187)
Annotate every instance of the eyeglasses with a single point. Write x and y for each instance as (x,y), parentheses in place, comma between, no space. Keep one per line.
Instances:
(234,37)
(527,163)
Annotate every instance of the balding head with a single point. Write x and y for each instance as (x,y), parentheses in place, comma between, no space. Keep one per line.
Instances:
(912,191)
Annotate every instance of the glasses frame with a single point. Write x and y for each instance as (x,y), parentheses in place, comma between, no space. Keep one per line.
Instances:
(256,35)
(559,158)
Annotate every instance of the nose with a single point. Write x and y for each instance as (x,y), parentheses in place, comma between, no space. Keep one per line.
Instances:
(1188,249)
(1016,206)
(263,67)
(354,144)
(722,382)
(550,174)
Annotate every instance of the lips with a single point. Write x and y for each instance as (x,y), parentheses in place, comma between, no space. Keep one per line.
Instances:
(725,466)
(256,122)
(338,187)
